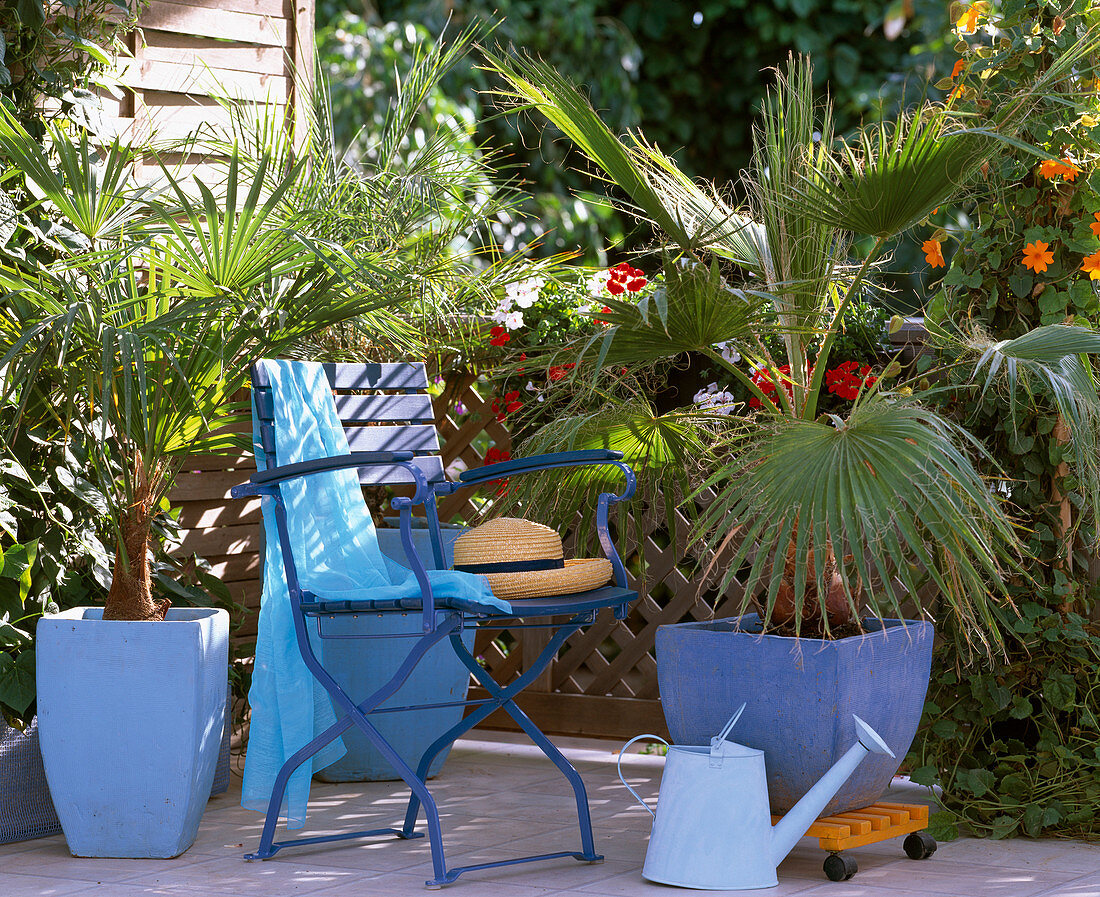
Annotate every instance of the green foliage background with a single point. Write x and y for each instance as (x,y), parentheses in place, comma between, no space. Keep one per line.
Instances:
(684,73)
(1015,742)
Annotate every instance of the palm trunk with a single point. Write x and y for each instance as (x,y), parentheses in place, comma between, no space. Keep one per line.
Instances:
(131,594)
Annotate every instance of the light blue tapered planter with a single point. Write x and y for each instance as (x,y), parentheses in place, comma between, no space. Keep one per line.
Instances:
(362,666)
(130,718)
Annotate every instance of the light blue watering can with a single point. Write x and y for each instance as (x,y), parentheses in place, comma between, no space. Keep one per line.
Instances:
(712,829)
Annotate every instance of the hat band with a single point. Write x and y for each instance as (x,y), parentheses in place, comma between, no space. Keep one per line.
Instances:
(514,566)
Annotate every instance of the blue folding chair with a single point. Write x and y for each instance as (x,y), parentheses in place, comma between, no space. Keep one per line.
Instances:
(387,416)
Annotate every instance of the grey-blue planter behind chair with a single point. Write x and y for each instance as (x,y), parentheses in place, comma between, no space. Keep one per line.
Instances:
(438,677)
(26,810)
(800,697)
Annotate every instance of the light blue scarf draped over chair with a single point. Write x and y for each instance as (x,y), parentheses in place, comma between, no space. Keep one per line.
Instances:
(322,560)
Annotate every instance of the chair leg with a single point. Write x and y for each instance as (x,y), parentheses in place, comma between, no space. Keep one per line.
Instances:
(465,724)
(503,698)
(357,715)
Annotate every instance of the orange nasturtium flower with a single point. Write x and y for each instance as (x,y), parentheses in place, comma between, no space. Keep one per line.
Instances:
(1091,264)
(933,252)
(1036,256)
(1096,224)
(968,21)
(960,64)
(1050,169)
(1059,168)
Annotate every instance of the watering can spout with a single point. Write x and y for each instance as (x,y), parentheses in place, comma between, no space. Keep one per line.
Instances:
(801,816)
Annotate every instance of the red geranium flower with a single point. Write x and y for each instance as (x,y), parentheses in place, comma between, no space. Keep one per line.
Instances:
(762,378)
(623,277)
(847,378)
(498,336)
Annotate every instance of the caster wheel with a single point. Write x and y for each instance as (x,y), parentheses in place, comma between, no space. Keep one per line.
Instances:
(919,846)
(839,867)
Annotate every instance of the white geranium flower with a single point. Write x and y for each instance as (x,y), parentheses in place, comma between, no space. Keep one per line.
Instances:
(514,320)
(729,352)
(501,312)
(525,293)
(714,399)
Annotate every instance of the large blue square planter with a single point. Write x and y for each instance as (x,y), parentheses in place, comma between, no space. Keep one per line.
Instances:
(131,717)
(800,695)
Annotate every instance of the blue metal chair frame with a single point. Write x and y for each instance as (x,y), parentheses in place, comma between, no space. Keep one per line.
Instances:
(437,623)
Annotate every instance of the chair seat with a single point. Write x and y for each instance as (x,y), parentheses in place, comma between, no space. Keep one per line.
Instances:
(575,603)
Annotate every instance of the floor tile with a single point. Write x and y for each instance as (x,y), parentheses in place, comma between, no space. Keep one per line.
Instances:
(234,876)
(1086,886)
(499,798)
(15,885)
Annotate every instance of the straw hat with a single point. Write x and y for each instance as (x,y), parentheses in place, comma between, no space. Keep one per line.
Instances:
(522,559)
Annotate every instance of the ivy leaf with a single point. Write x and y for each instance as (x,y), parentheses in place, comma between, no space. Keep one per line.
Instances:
(12,637)
(979,781)
(1003,826)
(943,826)
(1021,285)
(31,13)
(945,728)
(1014,786)
(1060,690)
(1032,819)
(17,680)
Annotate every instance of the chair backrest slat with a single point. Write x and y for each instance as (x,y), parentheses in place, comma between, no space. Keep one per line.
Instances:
(415,407)
(369,375)
(392,438)
(374,418)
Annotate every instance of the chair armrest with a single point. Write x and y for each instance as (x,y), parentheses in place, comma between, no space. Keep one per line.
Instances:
(263,481)
(535,463)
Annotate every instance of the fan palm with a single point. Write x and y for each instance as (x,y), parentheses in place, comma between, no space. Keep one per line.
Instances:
(150,330)
(815,514)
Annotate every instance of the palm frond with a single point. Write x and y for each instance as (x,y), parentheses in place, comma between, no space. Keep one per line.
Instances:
(889,492)
(1055,362)
(536,85)
(92,189)
(663,450)
(692,311)
(901,172)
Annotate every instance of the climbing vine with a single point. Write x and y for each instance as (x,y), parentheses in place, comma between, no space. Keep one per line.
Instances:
(1015,742)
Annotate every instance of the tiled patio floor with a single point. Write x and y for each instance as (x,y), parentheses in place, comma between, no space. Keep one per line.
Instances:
(500,798)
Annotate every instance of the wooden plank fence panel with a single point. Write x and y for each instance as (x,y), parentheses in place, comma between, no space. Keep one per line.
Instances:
(184,52)
(202,21)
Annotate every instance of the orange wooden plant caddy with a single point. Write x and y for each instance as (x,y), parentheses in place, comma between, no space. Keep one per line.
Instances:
(868,825)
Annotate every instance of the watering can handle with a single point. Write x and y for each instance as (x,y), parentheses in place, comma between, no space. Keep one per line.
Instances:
(619,765)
